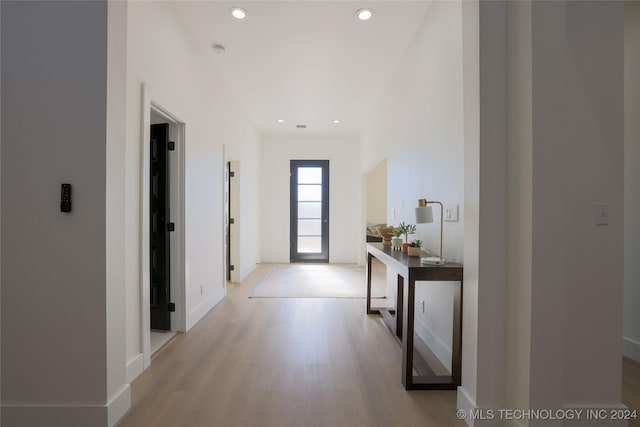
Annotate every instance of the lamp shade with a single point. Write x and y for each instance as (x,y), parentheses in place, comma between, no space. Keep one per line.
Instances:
(424,215)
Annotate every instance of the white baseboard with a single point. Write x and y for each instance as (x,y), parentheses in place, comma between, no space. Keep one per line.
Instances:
(203,308)
(435,343)
(68,416)
(135,366)
(248,271)
(593,419)
(468,410)
(50,416)
(118,405)
(465,404)
(631,348)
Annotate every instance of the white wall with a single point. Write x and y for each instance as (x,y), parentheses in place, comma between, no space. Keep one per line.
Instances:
(631,331)
(467,393)
(564,274)
(485,163)
(179,78)
(61,359)
(344,193)
(376,180)
(117,384)
(578,108)
(417,126)
(0,227)
(518,339)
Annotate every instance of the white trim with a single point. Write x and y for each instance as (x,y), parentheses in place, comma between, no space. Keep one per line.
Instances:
(118,405)
(465,403)
(203,308)
(610,422)
(71,416)
(106,415)
(135,366)
(145,322)
(631,348)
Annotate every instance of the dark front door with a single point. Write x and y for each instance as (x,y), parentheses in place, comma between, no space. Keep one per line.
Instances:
(228,176)
(309,196)
(159,224)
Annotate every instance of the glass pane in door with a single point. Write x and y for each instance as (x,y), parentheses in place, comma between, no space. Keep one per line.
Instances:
(307,175)
(310,245)
(309,192)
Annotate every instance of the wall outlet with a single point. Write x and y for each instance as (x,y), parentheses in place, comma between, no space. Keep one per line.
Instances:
(393,213)
(422,306)
(602,213)
(451,213)
(201,289)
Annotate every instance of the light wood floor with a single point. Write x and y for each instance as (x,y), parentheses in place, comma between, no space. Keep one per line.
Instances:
(292,362)
(283,362)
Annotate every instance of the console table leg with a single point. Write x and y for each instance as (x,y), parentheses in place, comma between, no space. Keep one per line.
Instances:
(407,336)
(369,258)
(399,306)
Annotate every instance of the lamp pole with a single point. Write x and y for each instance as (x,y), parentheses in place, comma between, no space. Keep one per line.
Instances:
(423,203)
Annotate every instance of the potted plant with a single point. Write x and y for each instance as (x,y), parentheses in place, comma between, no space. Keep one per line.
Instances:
(414,248)
(396,240)
(406,229)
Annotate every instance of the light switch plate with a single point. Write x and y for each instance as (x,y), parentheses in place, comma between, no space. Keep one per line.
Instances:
(451,213)
(602,213)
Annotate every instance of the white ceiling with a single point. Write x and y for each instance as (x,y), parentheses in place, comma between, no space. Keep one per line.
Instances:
(307,62)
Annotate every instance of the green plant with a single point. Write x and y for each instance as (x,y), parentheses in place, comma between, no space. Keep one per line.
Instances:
(407,229)
(416,243)
(396,232)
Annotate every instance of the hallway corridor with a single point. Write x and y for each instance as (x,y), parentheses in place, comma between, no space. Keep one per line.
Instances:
(283,362)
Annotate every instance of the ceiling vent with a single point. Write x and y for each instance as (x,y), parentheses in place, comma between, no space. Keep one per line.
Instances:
(301,126)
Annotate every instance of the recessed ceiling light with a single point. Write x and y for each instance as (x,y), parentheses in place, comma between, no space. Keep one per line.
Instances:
(280,120)
(336,121)
(238,12)
(218,48)
(364,14)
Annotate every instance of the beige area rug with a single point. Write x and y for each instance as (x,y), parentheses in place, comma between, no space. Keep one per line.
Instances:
(314,281)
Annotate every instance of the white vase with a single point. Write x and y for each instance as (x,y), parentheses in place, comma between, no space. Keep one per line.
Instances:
(396,243)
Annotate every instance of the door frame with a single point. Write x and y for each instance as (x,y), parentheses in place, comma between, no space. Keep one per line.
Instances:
(294,256)
(177,133)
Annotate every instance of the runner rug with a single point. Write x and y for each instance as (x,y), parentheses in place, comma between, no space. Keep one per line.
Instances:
(315,281)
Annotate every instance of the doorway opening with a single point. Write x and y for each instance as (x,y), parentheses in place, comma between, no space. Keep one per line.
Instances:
(164,294)
(161,227)
(231,221)
(375,215)
(309,220)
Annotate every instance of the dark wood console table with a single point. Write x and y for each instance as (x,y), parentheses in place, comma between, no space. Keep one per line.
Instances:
(409,271)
